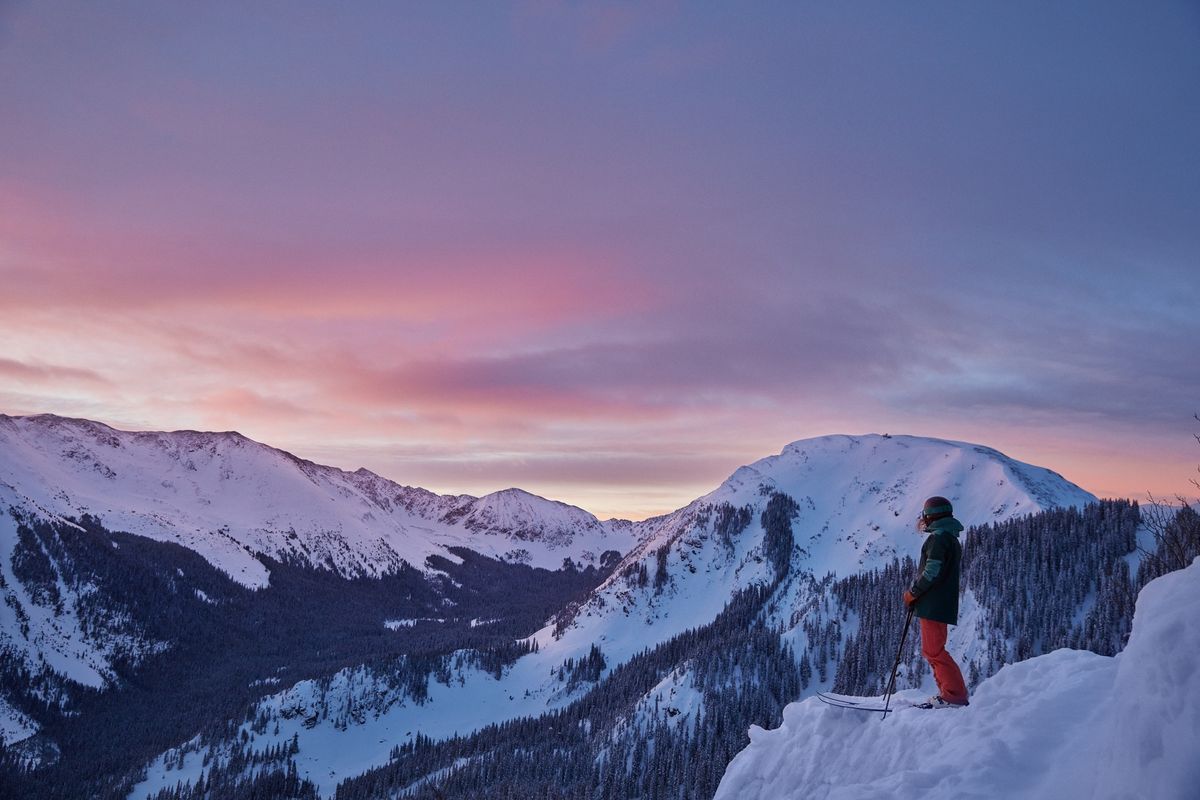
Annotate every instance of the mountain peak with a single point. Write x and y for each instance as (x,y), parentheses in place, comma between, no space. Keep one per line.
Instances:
(513,492)
(889,465)
(853,501)
(520,496)
(233,499)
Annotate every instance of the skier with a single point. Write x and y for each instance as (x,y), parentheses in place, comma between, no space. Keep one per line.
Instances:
(934,598)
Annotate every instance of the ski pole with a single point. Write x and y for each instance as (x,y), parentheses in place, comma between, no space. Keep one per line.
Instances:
(895,667)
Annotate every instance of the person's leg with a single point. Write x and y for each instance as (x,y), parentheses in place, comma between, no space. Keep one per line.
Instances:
(946,673)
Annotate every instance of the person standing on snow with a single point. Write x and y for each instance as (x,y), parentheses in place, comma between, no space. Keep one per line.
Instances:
(934,598)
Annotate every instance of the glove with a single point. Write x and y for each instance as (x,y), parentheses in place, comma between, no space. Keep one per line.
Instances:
(909,598)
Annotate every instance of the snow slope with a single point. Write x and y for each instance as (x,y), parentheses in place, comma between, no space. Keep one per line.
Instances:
(47,634)
(230,498)
(350,723)
(14,726)
(1069,724)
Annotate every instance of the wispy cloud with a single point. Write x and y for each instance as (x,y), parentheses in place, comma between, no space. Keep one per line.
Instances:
(49,374)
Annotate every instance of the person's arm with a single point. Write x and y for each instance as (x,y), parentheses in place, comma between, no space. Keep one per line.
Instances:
(935,561)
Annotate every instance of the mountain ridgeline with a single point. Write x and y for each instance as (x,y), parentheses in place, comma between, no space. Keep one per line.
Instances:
(498,647)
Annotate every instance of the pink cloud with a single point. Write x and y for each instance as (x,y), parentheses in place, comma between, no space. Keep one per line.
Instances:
(243,404)
(388,302)
(37,372)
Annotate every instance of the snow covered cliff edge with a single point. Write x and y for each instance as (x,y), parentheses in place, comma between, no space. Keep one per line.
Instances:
(1069,724)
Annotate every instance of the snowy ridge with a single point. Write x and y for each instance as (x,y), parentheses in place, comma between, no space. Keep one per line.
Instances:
(1069,724)
(230,498)
(858,498)
(522,516)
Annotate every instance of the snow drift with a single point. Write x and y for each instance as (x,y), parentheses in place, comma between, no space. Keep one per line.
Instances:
(1069,724)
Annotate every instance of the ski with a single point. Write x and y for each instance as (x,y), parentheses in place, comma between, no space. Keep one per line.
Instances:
(859,704)
(856,706)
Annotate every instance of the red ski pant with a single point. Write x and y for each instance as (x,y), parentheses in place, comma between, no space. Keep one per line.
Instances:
(945,671)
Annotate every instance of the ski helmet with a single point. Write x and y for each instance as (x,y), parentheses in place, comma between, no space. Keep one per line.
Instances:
(936,507)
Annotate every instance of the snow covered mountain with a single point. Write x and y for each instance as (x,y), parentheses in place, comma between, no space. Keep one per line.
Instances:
(1069,724)
(853,501)
(354,616)
(243,507)
(231,499)
(856,500)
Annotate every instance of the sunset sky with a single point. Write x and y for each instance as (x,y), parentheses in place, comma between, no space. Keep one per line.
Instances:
(609,252)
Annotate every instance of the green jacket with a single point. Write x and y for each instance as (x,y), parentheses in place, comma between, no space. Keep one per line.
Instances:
(936,587)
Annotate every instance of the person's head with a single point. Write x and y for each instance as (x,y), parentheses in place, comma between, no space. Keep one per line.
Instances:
(935,508)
